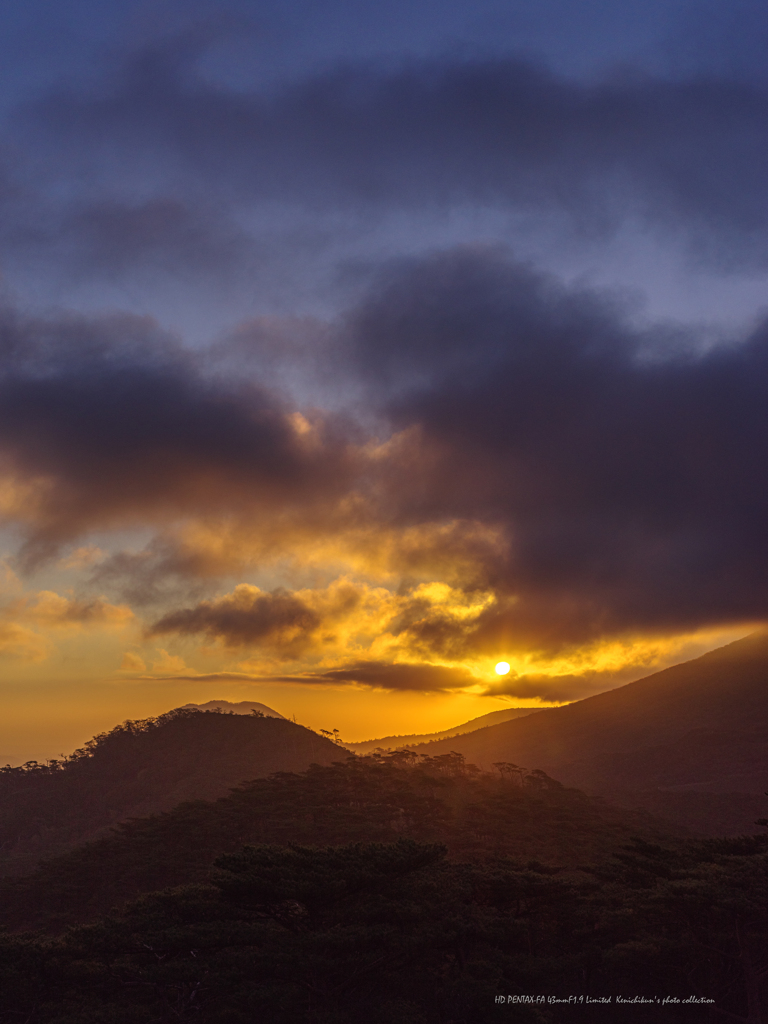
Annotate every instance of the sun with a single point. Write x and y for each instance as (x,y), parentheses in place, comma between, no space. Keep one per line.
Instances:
(502,668)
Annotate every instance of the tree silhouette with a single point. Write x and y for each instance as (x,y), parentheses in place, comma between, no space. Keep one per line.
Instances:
(506,768)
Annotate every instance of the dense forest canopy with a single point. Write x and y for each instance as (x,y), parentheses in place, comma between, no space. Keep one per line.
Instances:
(395,888)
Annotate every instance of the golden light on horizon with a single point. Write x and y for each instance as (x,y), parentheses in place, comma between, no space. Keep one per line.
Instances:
(502,668)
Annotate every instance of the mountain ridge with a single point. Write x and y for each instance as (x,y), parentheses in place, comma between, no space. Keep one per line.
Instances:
(388,742)
(700,726)
(143,768)
(241,707)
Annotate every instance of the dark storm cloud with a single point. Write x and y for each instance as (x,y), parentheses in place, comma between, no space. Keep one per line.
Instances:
(387,676)
(565,688)
(689,155)
(106,240)
(631,485)
(618,472)
(378,675)
(161,573)
(161,233)
(276,618)
(105,421)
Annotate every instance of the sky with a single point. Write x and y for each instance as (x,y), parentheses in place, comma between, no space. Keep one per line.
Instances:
(351,349)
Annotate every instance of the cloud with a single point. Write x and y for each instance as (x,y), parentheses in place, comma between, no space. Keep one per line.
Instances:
(49,609)
(622,465)
(54,611)
(132,663)
(685,154)
(567,474)
(159,235)
(19,643)
(379,675)
(351,534)
(428,620)
(561,689)
(82,557)
(585,669)
(246,617)
(401,676)
(428,637)
(169,664)
(29,623)
(417,676)
(388,676)
(105,422)
(456,458)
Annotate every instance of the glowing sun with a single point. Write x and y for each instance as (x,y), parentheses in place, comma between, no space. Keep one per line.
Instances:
(502,668)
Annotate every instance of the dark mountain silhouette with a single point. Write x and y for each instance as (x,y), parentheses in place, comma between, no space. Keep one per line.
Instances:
(690,742)
(142,768)
(398,742)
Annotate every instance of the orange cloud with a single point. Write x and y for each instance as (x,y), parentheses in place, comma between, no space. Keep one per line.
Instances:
(22,644)
(333,621)
(432,637)
(54,611)
(168,664)
(400,676)
(28,623)
(82,558)
(550,518)
(132,663)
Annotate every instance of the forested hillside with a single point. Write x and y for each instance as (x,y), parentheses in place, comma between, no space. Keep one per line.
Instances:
(141,768)
(371,799)
(429,906)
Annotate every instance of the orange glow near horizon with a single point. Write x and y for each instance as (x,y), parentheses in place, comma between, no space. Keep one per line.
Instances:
(348,653)
(55,703)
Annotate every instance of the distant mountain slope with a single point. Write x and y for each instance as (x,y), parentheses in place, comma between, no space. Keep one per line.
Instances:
(397,742)
(701,726)
(142,768)
(241,707)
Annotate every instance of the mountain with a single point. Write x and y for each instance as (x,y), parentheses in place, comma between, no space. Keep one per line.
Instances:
(242,707)
(686,739)
(142,768)
(398,742)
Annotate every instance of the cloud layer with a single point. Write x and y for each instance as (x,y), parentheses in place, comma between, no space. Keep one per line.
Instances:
(686,155)
(106,423)
(390,447)
(595,477)
(624,464)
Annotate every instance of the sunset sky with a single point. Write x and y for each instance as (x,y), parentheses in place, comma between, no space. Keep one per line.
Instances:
(349,349)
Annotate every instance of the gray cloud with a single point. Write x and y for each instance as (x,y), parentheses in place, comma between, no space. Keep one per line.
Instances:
(122,427)
(621,480)
(278,619)
(631,486)
(684,155)
(376,674)
(387,676)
